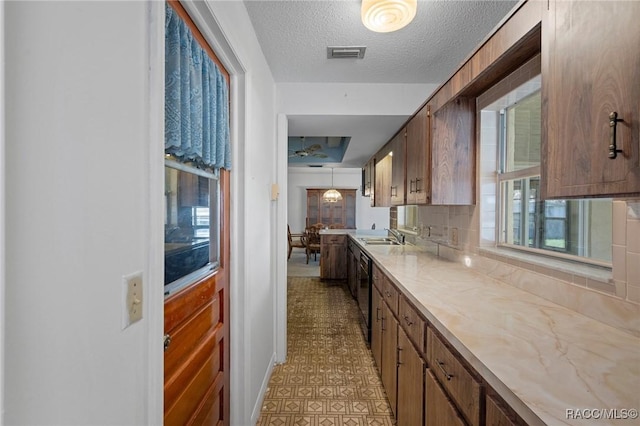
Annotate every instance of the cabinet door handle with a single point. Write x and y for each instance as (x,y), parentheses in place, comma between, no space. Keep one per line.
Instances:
(613,125)
(417,187)
(377,314)
(382,324)
(411,191)
(408,321)
(441,366)
(398,350)
(394,192)
(387,293)
(167,341)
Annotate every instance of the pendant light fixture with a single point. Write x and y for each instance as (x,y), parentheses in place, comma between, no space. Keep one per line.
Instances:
(332,195)
(385,16)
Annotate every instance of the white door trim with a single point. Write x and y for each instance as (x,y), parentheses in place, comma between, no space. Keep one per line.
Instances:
(155,226)
(2,218)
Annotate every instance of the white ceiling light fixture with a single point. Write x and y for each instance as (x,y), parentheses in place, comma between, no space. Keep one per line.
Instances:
(384,16)
(332,195)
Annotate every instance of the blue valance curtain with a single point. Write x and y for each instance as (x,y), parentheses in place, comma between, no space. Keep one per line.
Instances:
(196,100)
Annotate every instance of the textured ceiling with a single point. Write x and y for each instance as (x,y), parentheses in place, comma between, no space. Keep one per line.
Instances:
(294,36)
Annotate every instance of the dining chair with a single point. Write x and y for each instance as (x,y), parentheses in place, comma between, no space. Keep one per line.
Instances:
(312,242)
(295,241)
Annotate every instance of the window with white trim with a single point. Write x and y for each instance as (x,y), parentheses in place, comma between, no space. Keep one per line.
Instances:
(512,213)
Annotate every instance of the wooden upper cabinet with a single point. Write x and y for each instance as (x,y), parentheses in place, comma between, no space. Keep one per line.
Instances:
(367,178)
(398,168)
(382,182)
(453,153)
(590,69)
(418,158)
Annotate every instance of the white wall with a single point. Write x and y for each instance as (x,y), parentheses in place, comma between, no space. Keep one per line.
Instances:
(2,218)
(351,99)
(343,99)
(301,178)
(77,133)
(78,202)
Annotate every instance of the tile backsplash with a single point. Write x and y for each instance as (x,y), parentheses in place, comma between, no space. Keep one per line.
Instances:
(610,296)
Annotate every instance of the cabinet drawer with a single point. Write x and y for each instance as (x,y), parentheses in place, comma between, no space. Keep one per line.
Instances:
(377,277)
(463,389)
(390,294)
(334,239)
(412,323)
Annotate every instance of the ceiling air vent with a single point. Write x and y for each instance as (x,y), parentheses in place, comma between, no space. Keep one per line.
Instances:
(345,52)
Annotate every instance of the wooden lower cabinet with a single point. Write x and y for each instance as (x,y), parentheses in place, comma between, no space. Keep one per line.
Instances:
(333,257)
(447,393)
(461,386)
(376,327)
(496,415)
(389,356)
(410,383)
(439,410)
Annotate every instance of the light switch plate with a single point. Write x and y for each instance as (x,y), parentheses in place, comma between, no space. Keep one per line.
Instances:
(132,299)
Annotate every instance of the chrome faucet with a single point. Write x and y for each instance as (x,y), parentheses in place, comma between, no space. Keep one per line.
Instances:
(399,235)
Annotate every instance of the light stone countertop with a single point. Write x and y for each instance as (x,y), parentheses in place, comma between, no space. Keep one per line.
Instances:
(543,359)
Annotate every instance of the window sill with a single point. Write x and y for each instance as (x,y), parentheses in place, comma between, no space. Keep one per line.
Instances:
(583,274)
(189,279)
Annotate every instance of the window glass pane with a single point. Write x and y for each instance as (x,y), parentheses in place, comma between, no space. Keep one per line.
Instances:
(517,212)
(574,227)
(407,217)
(577,227)
(191,223)
(523,133)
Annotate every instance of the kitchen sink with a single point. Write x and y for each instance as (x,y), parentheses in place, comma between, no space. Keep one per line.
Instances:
(380,241)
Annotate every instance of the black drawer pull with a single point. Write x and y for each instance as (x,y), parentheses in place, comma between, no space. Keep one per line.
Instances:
(441,365)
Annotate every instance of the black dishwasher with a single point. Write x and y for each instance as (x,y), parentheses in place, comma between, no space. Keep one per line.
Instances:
(364,294)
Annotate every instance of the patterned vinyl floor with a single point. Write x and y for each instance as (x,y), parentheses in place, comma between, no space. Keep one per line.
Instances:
(330,377)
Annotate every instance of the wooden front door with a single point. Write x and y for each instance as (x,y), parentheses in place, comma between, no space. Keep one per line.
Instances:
(196,360)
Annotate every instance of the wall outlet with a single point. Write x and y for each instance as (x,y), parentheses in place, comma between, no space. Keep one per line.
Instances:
(132,299)
(454,236)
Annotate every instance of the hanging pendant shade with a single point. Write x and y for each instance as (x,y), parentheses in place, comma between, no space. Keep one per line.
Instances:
(332,195)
